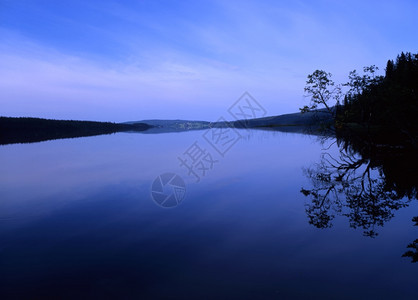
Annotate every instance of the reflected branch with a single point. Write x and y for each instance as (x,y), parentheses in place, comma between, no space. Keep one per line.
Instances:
(358,183)
(413,254)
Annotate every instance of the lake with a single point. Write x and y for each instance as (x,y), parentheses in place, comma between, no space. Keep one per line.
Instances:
(89,218)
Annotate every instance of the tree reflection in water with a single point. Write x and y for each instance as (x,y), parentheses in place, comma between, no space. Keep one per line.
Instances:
(413,253)
(365,182)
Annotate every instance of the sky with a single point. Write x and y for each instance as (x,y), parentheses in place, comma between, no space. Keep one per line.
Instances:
(148,59)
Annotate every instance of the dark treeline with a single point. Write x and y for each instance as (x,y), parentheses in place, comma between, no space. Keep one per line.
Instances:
(375,171)
(29,130)
(387,106)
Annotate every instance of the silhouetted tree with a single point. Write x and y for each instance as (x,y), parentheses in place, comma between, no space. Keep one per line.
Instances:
(389,69)
(321,90)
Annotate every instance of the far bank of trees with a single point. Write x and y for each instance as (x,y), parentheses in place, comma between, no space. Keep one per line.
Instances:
(27,130)
(379,105)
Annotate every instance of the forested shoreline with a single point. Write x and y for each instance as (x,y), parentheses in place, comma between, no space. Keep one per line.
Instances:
(383,107)
(29,130)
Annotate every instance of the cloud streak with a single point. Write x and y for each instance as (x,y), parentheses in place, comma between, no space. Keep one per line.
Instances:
(190,60)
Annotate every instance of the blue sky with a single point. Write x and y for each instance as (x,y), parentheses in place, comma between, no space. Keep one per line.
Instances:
(133,60)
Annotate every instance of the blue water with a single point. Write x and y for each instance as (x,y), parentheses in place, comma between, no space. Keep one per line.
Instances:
(78,221)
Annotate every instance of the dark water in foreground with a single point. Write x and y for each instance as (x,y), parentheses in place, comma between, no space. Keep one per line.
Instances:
(77,221)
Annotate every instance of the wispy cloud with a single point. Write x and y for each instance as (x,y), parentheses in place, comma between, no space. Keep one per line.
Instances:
(189,60)
(55,84)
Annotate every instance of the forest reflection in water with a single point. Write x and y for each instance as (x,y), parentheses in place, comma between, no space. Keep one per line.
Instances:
(366,182)
(78,219)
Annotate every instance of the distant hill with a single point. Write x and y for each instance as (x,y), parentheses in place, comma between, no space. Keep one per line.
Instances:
(300,120)
(162,126)
(294,119)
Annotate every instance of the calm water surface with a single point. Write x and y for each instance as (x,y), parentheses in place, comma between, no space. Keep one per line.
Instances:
(77,221)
